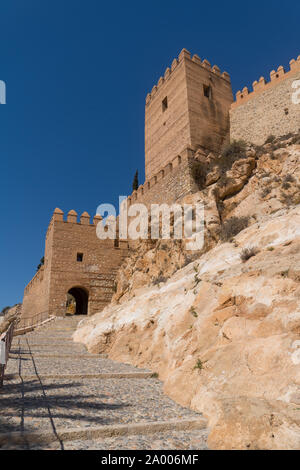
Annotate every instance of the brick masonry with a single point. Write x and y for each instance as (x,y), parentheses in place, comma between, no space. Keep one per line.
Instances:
(194,120)
(170,184)
(191,119)
(269,109)
(95,274)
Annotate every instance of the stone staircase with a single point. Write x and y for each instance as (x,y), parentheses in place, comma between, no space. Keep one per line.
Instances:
(58,396)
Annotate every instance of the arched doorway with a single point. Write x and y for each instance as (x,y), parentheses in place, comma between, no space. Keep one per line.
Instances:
(77,301)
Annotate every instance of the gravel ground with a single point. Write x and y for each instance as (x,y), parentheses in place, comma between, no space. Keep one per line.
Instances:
(67,365)
(84,403)
(179,440)
(42,404)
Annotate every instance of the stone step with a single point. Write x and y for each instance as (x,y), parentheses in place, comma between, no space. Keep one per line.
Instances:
(106,431)
(61,356)
(107,375)
(29,362)
(195,439)
(71,399)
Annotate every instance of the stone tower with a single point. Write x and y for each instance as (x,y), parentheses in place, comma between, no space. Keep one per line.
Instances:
(188,108)
(78,263)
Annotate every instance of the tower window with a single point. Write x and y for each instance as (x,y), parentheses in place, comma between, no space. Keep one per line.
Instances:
(79,257)
(207,91)
(164,104)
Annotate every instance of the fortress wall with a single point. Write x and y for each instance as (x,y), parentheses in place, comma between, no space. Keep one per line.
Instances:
(190,118)
(97,271)
(47,291)
(35,295)
(167,132)
(209,117)
(169,185)
(268,109)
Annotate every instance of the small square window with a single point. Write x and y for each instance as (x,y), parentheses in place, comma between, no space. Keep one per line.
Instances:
(80,257)
(164,104)
(207,91)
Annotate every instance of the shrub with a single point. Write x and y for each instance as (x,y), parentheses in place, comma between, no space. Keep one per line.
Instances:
(199,365)
(189,259)
(295,140)
(286,199)
(5,310)
(224,181)
(265,191)
(270,139)
(232,227)
(154,375)
(247,253)
(159,279)
(259,150)
(288,179)
(193,312)
(232,152)
(198,173)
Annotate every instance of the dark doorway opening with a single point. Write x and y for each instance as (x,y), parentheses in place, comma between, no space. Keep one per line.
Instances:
(77,301)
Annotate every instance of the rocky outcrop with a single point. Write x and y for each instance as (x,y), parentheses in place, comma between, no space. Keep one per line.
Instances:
(223,336)
(222,330)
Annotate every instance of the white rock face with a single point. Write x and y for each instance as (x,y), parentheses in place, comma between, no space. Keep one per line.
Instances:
(239,322)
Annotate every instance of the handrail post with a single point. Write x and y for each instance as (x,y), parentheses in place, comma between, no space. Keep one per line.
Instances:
(5,344)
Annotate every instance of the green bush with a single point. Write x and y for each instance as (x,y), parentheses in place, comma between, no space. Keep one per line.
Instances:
(199,365)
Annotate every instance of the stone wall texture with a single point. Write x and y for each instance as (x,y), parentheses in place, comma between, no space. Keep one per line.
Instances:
(268,110)
(193,122)
(172,182)
(191,118)
(95,274)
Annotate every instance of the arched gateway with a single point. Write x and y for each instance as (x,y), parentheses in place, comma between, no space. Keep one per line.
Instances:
(79,297)
(79,269)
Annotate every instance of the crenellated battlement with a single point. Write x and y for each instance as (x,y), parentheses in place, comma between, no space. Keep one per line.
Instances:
(185,55)
(143,189)
(262,85)
(38,277)
(72,217)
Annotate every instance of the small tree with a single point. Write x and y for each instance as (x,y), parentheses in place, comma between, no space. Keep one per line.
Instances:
(135,183)
(41,263)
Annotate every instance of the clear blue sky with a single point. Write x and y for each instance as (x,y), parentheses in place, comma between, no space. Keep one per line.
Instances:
(77,73)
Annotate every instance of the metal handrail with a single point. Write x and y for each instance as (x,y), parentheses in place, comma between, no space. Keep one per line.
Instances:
(33,321)
(5,344)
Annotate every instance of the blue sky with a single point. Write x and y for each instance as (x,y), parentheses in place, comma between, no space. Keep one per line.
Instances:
(77,73)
